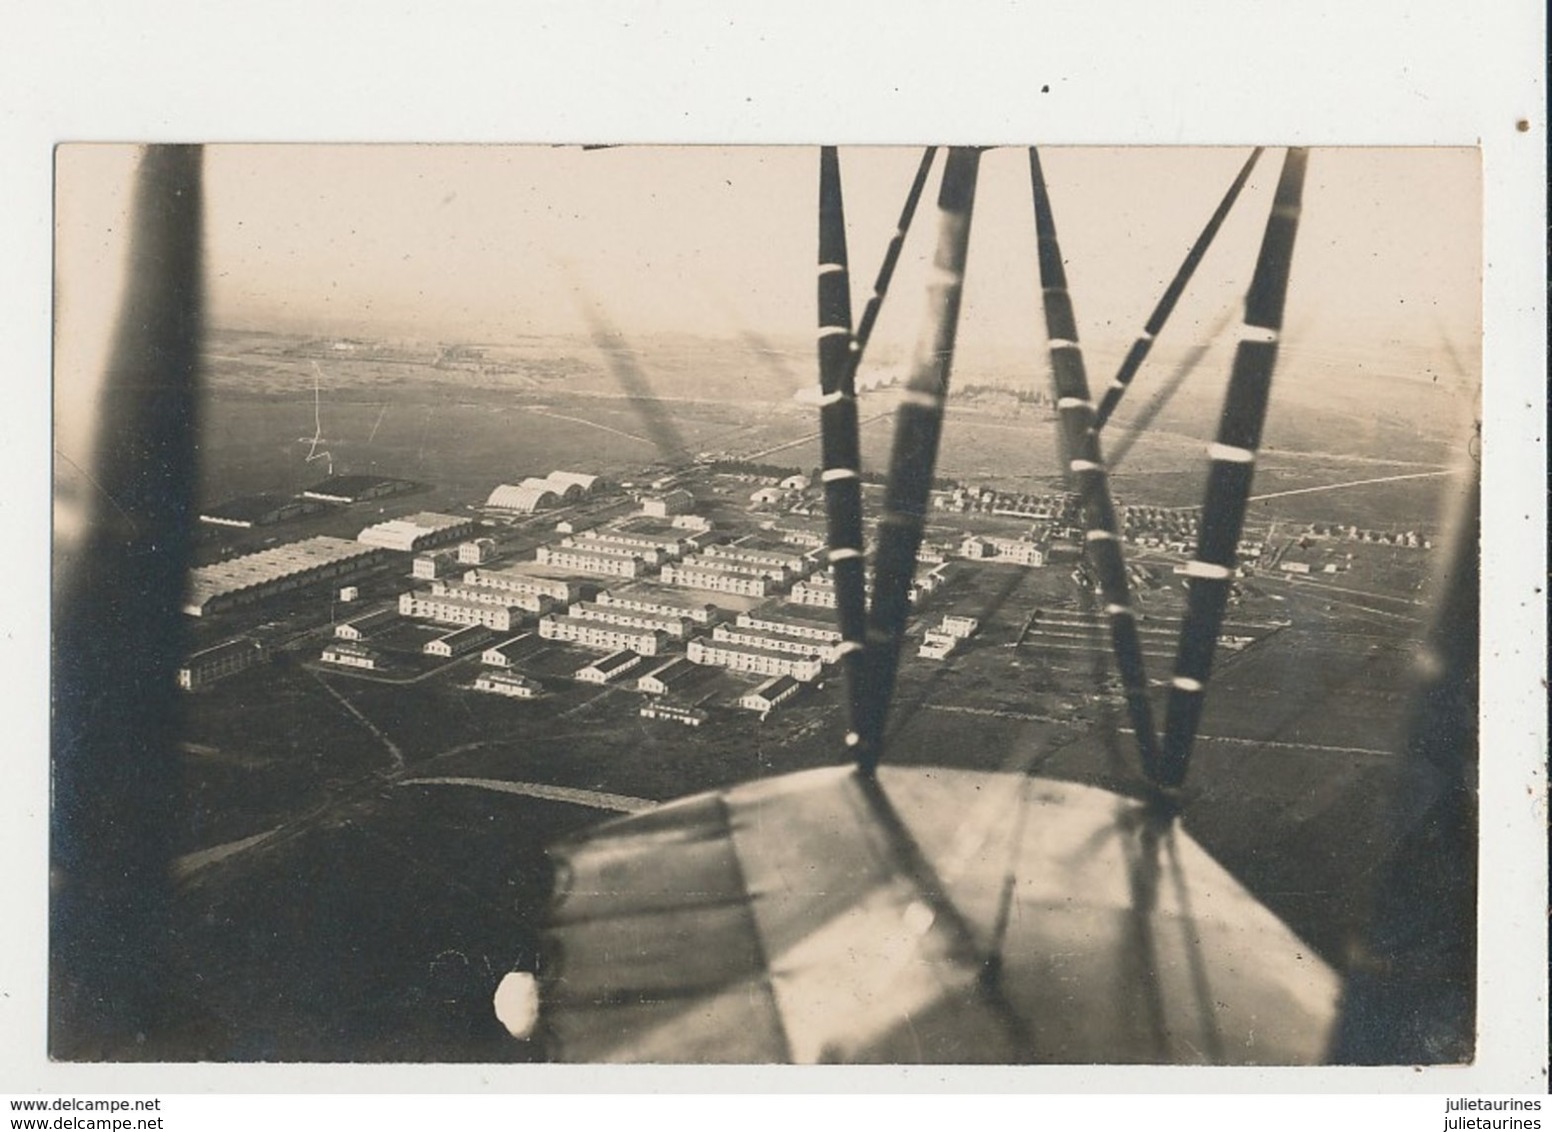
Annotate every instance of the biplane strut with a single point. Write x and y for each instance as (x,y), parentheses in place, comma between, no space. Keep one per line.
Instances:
(906,914)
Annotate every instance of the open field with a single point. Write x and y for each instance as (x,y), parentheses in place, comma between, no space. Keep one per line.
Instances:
(361,858)
(465,447)
(533,406)
(373,934)
(432,890)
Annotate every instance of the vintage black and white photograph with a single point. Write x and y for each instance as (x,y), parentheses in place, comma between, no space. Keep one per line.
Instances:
(765,604)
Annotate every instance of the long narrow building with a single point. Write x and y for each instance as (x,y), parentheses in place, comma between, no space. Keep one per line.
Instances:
(688,714)
(795,563)
(609,563)
(255,577)
(492,595)
(692,575)
(601,635)
(776,571)
(414,533)
(512,684)
(818,591)
(356,488)
(208,665)
(676,627)
(749,658)
(469,638)
(688,532)
(662,601)
(671,676)
(609,668)
(760,639)
(669,545)
(508,652)
(770,694)
(459,611)
(593,542)
(527,578)
(351,654)
(359,628)
(791,624)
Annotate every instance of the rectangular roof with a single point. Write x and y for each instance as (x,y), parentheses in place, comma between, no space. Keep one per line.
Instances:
(595,550)
(236,645)
(614,661)
(520,643)
(606,626)
(756,650)
(792,613)
(607,607)
(466,632)
(376,617)
(251,508)
(657,594)
(355,484)
(529,569)
(679,668)
(461,602)
(435,520)
(775,686)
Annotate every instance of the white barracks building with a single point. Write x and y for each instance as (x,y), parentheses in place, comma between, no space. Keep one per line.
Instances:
(760,639)
(490,595)
(526,578)
(663,603)
(677,627)
(601,635)
(459,611)
(609,562)
(696,573)
(749,658)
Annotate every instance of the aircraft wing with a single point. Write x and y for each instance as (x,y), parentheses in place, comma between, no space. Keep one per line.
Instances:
(924,915)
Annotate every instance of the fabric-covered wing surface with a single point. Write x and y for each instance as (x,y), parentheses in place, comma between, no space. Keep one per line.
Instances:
(922,916)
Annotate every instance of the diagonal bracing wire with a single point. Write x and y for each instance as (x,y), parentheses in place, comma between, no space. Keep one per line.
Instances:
(839,356)
(1075,413)
(1139,351)
(1210,574)
(1140,424)
(886,270)
(918,426)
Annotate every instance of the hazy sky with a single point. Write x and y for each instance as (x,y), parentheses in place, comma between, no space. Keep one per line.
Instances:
(480,242)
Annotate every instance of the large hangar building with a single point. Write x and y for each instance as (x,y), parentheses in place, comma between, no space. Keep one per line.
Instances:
(536,494)
(417,532)
(253,577)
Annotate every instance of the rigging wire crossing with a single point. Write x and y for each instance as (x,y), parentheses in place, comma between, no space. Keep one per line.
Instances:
(1085,462)
(840,355)
(1139,351)
(918,426)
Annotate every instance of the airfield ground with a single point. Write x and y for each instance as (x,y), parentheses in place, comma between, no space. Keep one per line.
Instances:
(382,901)
(346,893)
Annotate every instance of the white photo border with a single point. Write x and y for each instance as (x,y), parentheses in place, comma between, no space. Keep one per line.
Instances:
(1325,72)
